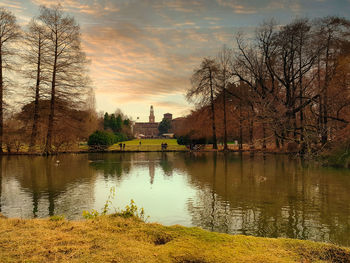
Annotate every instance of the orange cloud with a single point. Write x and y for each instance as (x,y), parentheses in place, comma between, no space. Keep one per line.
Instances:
(94,8)
(11,4)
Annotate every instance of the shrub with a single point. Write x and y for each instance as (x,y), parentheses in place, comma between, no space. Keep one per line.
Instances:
(183,140)
(337,157)
(102,139)
(186,140)
(120,137)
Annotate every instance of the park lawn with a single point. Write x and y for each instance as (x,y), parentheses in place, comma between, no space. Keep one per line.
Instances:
(149,145)
(116,239)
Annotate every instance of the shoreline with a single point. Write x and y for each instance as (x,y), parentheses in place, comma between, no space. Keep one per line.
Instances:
(116,239)
(258,151)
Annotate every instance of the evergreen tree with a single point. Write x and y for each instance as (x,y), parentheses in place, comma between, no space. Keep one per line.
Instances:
(164,126)
(106,120)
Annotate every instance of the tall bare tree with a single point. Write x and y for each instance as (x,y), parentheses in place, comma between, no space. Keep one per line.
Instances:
(9,32)
(36,57)
(204,89)
(67,61)
(333,35)
(224,59)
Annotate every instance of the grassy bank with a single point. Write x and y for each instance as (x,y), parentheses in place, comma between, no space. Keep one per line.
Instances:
(115,239)
(149,145)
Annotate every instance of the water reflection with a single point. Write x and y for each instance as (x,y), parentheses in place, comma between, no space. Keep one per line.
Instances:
(37,187)
(272,196)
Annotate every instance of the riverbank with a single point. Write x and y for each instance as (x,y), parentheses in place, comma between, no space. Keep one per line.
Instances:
(116,239)
(153,145)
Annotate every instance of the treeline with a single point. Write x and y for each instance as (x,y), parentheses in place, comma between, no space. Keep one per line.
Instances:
(288,86)
(43,66)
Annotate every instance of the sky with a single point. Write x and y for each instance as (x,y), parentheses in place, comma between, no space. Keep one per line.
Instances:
(143,52)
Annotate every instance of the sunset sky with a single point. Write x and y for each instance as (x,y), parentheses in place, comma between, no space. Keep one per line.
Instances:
(143,52)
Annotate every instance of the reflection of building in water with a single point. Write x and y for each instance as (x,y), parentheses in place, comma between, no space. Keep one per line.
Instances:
(151,168)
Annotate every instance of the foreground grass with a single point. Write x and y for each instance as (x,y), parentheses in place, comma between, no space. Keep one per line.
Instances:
(115,239)
(149,145)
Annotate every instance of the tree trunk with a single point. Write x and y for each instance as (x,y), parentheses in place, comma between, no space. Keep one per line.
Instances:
(240,146)
(52,106)
(36,104)
(324,136)
(251,134)
(320,106)
(294,126)
(215,146)
(225,122)
(277,142)
(301,96)
(325,119)
(264,136)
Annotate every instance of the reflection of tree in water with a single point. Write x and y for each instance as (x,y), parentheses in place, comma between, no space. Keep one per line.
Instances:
(166,164)
(35,191)
(111,164)
(273,197)
(46,188)
(52,193)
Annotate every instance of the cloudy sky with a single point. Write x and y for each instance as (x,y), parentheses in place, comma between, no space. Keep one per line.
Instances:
(143,52)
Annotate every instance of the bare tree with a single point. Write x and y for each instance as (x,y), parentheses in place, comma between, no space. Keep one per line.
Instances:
(224,59)
(333,34)
(36,68)
(204,89)
(67,61)
(9,32)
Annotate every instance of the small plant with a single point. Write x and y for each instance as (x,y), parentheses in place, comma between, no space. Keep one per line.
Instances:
(57,218)
(132,211)
(94,213)
(90,214)
(108,203)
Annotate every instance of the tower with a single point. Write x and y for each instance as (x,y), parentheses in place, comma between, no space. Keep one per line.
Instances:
(151,115)
(168,116)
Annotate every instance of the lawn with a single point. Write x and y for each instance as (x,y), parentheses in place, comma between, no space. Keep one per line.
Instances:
(149,145)
(115,239)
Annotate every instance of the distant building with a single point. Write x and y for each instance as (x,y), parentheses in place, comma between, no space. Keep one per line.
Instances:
(168,116)
(150,129)
(151,115)
(146,129)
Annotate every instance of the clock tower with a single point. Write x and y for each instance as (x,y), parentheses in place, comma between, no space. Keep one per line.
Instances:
(151,115)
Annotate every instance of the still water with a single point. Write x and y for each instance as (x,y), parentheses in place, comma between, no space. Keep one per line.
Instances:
(271,196)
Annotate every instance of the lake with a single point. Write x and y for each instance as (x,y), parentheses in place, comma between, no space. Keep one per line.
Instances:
(269,196)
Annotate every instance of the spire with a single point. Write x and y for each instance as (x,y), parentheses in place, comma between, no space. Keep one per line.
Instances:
(151,115)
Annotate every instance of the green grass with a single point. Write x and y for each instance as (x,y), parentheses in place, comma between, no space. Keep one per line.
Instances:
(149,145)
(116,239)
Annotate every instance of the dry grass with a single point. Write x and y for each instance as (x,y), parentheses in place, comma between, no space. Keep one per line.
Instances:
(115,239)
